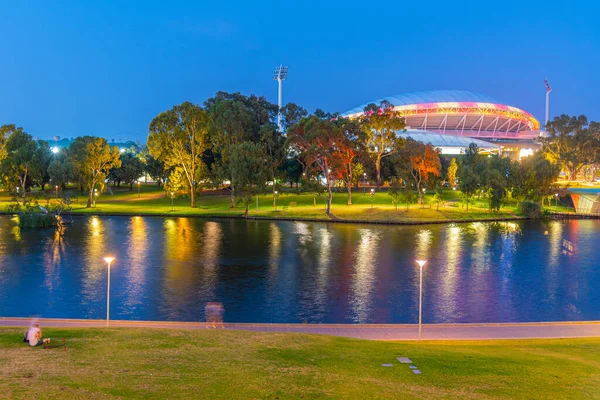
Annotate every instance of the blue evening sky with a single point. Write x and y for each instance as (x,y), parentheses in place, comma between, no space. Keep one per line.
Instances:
(106,68)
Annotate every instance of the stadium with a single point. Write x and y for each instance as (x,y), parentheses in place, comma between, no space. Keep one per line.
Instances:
(452,119)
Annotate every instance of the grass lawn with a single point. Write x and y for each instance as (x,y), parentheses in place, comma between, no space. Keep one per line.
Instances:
(165,363)
(377,208)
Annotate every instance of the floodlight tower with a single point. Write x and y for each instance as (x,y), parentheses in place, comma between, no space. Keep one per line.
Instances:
(548,91)
(280,75)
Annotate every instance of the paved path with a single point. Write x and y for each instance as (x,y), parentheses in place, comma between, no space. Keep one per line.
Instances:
(550,330)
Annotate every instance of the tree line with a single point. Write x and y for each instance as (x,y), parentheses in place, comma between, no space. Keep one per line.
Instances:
(232,141)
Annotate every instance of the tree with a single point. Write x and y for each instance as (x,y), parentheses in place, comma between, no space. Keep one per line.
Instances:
(468,183)
(236,118)
(178,137)
(395,191)
(129,172)
(19,162)
(250,169)
(350,148)
(452,170)
(380,124)
(5,132)
(421,161)
(41,162)
(59,171)
(320,143)
(94,163)
(154,167)
(572,143)
(292,170)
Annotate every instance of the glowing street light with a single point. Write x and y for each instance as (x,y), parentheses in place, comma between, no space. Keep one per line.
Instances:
(55,149)
(172,194)
(56,189)
(421,264)
(139,183)
(556,206)
(275,193)
(372,196)
(108,261)
(95,197)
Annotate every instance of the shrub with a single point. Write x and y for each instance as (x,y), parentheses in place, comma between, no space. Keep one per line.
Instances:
(530,209)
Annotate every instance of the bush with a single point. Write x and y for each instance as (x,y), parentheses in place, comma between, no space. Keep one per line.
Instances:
(530,209)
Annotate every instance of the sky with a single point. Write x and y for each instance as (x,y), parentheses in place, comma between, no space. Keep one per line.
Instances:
(106,68)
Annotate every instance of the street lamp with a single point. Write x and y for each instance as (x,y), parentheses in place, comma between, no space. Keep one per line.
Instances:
(139,183)
(556,206)
(365,182)
(421,263)
(372,196)
(172,209)
(56,189)
(108,261)
(275,199)
(95,196)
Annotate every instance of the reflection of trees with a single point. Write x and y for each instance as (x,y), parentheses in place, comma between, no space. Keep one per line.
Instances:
(94,268)
(53,253)
(365,264)
(191,264)
(137,262)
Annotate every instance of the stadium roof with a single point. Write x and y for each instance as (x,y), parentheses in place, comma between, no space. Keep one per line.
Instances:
(446,141)
(430,96)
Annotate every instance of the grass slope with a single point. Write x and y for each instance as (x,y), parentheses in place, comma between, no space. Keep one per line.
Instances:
(161,363)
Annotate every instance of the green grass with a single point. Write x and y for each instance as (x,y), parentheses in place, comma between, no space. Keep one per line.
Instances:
(169,363)
(377,208)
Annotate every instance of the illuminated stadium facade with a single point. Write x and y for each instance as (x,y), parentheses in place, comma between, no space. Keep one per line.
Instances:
(465,114)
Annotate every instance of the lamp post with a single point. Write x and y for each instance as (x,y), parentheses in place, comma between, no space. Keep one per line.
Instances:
(108,261)
(56,189)
(556,204)
(372,196)
(275,199)
(421,264)
(95,196)
(172,209)
(365,183)
(139,183)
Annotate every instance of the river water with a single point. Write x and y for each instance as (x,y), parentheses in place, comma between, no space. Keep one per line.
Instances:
(262,271)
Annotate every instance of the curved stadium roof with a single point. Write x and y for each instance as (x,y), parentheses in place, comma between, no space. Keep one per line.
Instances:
(429,96)
(458,112)
(440,140)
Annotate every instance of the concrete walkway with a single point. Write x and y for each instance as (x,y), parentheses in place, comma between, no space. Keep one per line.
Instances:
(547,330)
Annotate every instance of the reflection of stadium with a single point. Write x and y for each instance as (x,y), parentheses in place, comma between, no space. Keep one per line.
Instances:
(464,114)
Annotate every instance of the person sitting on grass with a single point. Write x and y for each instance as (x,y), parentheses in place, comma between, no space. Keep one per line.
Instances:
(34,336)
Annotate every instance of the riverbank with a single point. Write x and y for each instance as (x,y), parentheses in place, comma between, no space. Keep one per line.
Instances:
(175,363)
(288,206)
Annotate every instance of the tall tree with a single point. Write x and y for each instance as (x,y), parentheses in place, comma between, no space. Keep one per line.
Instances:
(5,132)
(42,158)
(350,148)
(94,163)
(178,137)
(19,163)
(250,170)
(319,143)
(380,124)
(572,143)
(421,161)
(470,172)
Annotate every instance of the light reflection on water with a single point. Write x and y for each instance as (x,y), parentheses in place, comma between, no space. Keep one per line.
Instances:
(168,268)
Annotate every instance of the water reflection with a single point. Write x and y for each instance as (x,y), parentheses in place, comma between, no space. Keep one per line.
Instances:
(295,272)
(364,276)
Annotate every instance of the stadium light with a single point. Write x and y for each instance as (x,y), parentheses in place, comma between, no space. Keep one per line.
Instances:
(279,76)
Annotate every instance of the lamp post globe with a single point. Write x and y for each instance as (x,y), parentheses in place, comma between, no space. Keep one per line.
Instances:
(108,260)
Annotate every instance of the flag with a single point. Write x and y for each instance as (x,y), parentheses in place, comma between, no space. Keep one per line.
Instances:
(548,87)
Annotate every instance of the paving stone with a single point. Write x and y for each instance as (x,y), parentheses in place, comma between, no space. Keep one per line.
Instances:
(404,360)
(387,365)
(413,367)
(416,371)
